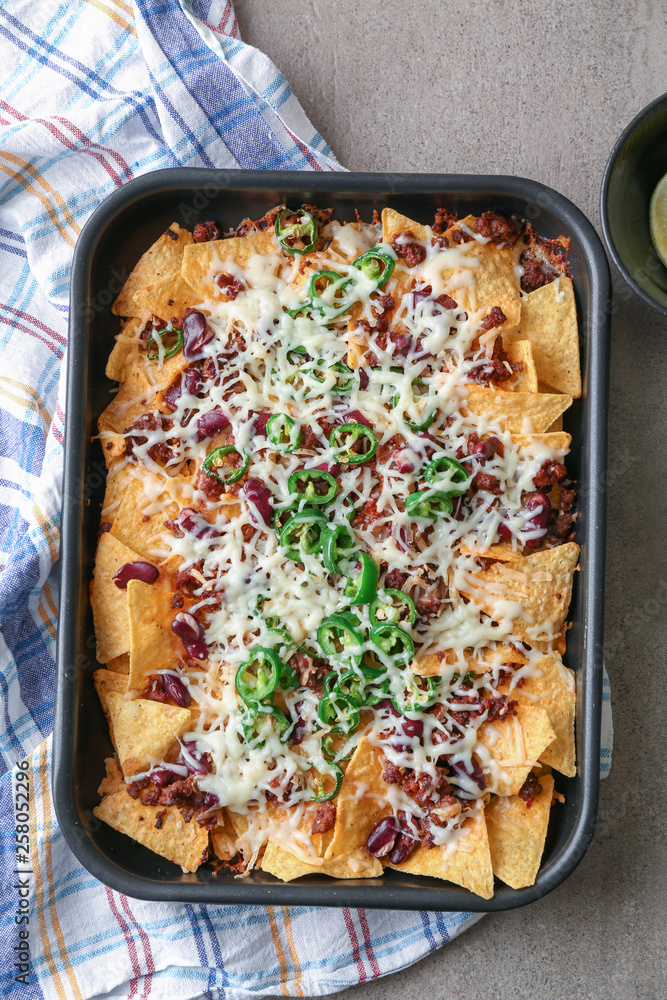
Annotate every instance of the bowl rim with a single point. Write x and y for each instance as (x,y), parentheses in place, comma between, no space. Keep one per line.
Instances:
(612,250)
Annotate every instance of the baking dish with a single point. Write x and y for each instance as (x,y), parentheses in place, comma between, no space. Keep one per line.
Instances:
(112,240)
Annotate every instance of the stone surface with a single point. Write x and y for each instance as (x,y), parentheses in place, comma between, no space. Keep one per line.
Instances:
(541,90)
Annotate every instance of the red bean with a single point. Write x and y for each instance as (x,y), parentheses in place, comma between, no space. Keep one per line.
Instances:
(364,380)
(382,836)
(191,633)
(331,467)
(504,532)
(403,345)
(260,506)
(259,423)
(403,848)
(164,776)
(144,571)
(486,449)
(194,522)
(414,728)
(210,424)
(356,417)
(300,726)
(196,333)
(404,461)
(540,506)
(387,705)
(195,761)
(459,508)
(176,690)
(211,800)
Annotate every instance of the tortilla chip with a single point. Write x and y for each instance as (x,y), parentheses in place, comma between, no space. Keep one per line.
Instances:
(518,412)
(107,682)
(549,321)
(541,445)
(186,844)
(203,261)
(555,692)
(502,551)
(120,664)
(133,526)
(467,863)
(223,839)
(144,732)
(517,834)
(125,348)
(167,298)
(153,645)
(432,666)
(521,351)
(161,260)
(393,224)
(110,613)
(356,817)
(130,402)
(543,592)
(113,780)
(516,744)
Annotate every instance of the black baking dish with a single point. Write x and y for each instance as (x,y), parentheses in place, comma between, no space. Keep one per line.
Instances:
(113,239)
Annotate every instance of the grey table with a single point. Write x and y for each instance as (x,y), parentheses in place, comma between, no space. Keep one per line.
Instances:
(540,89)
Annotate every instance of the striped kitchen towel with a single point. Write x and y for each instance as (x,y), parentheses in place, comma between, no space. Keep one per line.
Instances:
(92,95)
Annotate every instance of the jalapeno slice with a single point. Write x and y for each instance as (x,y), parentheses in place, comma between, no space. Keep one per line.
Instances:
(329,751)
(303,228)
(378,264)
(216,467)
(338,546)
(167,333)
(314,485)
(353,443)
(337,635)
(339,713)
(392,605)
(337,302)
(429,412)
(320,374)
(337,774)
(257,718)
(393,641)
(363,587)
(257,678)
(419,694)
(430,504)
(302,534)
(444,466)
(358,686)
(283,432)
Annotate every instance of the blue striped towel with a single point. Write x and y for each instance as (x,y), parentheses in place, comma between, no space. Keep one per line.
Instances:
(92,95)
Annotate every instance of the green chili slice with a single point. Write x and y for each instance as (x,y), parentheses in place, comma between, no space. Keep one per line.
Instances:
(304,229)
(419,694)
(302,534)
(283,432)
(353,443)
(377,264)
(340,302)
(216,466)
(337,712)
(257,678)
(392,606)
(314,485)
(362,588)
(338,546)
(357,686)
(329,751)
(439,468)
(429,413)
(257,717)
(337,774)
(393,641)
(428,503)
(336,635)
(338,367)
(169,352)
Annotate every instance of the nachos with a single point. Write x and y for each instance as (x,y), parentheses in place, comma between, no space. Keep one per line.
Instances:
(336,553)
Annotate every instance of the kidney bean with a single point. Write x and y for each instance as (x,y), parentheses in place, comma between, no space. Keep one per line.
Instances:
(211,423)
(300,726)
(540,506)
(259,423)
(404,541)
(191,633)
(486,449)
(164,776)
(364,380)
(144,571)
(259,498)
(403,848)
(211,800)
(194,522)
(387,705)
(195,761)
(196,333)
(176,690)
(356,417)
(403,460)
(382,836)
(459,508)
(504,532)
(413,728)
(331,467)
